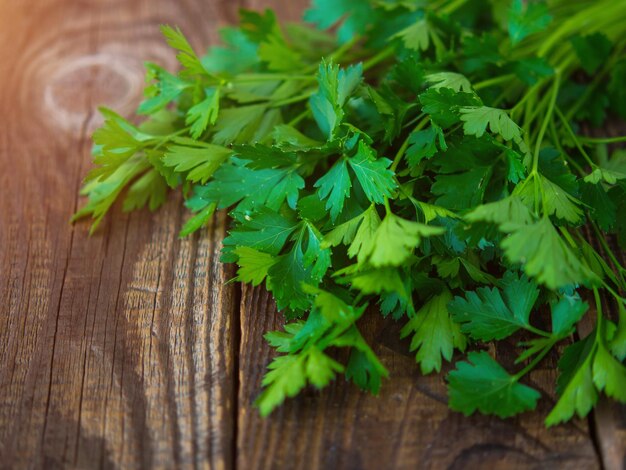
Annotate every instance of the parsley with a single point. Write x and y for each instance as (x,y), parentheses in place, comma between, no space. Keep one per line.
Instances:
(423,158)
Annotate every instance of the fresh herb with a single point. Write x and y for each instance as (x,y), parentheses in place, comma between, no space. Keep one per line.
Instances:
(426,160)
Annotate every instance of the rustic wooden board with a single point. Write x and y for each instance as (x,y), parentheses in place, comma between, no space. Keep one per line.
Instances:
(608,420)
(127,349)
(407,426)
(117,350)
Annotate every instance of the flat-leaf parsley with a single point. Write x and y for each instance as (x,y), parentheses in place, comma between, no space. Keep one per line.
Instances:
(425,158)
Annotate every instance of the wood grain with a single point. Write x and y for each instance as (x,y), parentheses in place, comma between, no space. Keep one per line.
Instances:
(609,417)
(117,350)
(408,426)
(128,350)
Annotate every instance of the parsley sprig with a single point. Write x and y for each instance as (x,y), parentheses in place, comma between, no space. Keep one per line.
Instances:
(425,159)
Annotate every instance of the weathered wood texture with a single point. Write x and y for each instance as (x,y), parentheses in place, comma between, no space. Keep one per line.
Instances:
(127,349)
(407,426)
(609,417)
(117,350)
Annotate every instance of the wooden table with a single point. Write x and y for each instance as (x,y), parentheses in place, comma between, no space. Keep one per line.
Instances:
(126,349)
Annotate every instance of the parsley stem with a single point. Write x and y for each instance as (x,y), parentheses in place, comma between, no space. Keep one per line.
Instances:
(537,331)
(617,297)
(534,108)
(601,140)
(388,210)
(534,362)
(572,25)
(294,99)
(303,115)
(568,237)
(494,81)
(530,93)
(452,6)
(572,134)
(601,238)
(167,138)
(266,77)
(378,58)
(546,120)
(405,144)
(339,53)
(569,160)
(596,297)
(413,121)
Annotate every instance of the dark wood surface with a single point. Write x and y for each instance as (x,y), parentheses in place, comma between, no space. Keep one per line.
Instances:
(128,350)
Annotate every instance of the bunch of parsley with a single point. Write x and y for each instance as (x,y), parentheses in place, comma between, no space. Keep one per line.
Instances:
(426,158)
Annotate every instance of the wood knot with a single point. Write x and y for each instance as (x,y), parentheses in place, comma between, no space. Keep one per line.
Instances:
(77,87)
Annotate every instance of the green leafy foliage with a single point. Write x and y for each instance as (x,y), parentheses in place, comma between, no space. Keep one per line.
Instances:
(335,87)
(481,384)
(419,35)
(476,120)
(335,185)
(424,158)
(592,50)
(373,174)
(425,144)
(394,240)
(331,323)
(354,16)
(544,255)
(527,19)
(489,314)
(435,334)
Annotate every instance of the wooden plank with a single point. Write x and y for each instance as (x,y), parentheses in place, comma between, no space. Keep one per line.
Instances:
(608,419)
(115,350)
(609,416)
(407,426)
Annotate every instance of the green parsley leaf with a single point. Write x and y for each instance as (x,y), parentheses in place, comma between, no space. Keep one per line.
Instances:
(286,377)
(544,255)
(305,263)
(456,81)
(335,86)
(527,19)
(353,15)
(510,210)
(435,334)
(417,36)
(186,56)
(482,217)
(204,113)
(198,162)
(196,222)
(363,368)
(618,342)
(592,50)
(565,314)
(443,105)
(488,314)
(253,265)
(235,183)
(476,120)
(363,242)
(575,384)
(376,179)
(265,231)
(425,144)
(335,185)
(396,238)
(481,384)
